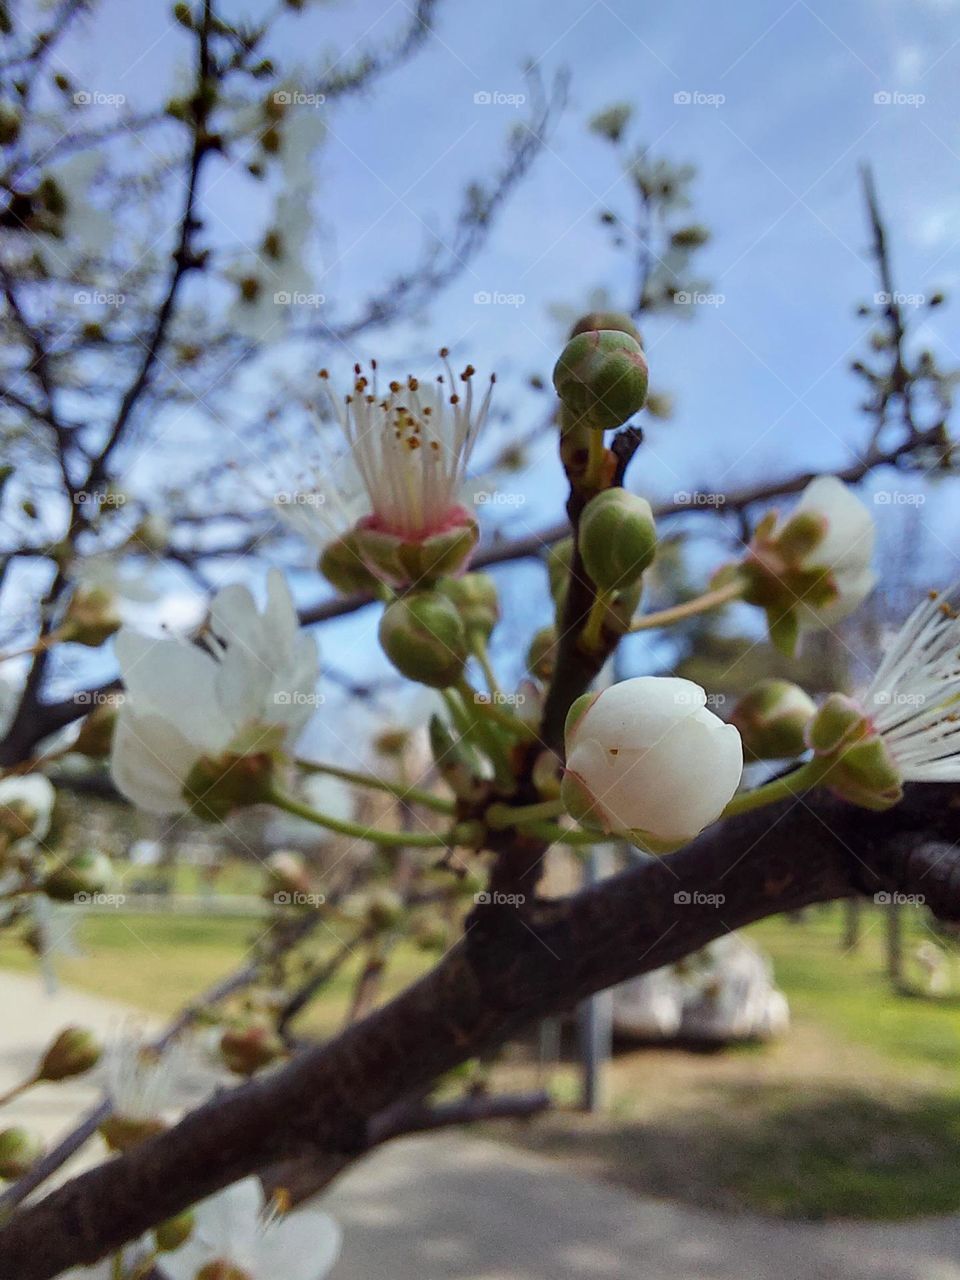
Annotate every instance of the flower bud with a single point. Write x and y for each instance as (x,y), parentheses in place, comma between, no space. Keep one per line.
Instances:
(542,654)
(26,806)
(123,1133)
(424,637)
(618,539)
(475,598)
(344,568)
(813,569)
(217,786)
(610,321)
(286,873)
(170,1235)
(772,719)
(601,378)
(84,874)
(19,1151)
(91,617)
(96,733)
(646,760)
(246,1050)
(74,1051)
(857,764)
(410,561)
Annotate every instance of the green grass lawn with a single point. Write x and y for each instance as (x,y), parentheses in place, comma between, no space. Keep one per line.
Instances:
(856,1112)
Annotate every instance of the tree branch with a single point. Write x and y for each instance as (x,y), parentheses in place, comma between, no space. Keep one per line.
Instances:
(504,974)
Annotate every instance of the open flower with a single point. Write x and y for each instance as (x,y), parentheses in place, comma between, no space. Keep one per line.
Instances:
(141,1083)
(200,727)
(26,806)
(411,446)
(647,760)
(233,1231)
(814,568)
(906,727)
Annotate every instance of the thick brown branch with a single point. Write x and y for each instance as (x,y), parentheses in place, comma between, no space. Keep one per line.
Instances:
(503,975)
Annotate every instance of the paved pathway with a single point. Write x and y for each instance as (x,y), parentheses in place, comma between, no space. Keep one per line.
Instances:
(456,1207)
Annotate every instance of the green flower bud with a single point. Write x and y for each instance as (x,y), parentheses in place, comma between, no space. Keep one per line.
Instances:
(19,1151)
(123,1133)
(542,654)
(74,1051)
(96,733)
(215,787)
(79,877)
(857,765)
(343,567)
(618,539)
(772,719)
(170,1235)
(601,378)
(611,321)
(286,873)
(424,637)
(475,598)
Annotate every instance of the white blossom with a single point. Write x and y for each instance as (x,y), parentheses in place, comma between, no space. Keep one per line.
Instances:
(913,701)
(845,552)
(647,759)
(232,1228)
(251,691)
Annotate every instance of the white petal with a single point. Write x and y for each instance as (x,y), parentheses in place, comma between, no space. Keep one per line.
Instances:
(174,680)
(302,1246)
(150,760)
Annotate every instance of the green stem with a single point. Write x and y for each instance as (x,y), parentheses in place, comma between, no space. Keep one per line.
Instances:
(414,795)
(482,654)
(790,784)
(555,834)
(593,477)
(499,816)
(502,718)
(391,839)
(17,1089)
(690,608)
(591,637)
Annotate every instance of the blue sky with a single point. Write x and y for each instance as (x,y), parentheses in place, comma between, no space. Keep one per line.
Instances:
(761,381)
